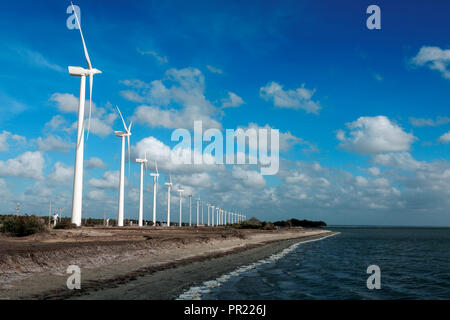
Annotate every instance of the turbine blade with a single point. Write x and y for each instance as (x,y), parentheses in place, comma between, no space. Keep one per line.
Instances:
(129,161)
(156,166)
(82,38)
(129,128)
(91,84)
(123,121)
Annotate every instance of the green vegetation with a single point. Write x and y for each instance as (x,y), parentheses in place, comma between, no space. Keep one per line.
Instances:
(254,223)
(300,223)
(23,226)
(65,225)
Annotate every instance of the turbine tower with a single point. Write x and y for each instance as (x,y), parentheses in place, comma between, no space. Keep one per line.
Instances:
(77,196)
(207,207)
(122,135)
(155,189)
(169,187)
(190,210)
(141,191)
(180,191)
(198,208)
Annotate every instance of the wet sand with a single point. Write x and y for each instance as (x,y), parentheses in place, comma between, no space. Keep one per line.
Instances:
(132,263)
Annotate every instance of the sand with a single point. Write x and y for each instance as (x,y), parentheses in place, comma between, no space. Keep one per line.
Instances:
(131,263)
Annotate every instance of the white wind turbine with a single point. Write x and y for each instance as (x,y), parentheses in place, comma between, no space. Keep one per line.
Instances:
(77,197)
(190,210)
(122,135)
(198,208)
(141,191)
(180,191)
(169,187)
(155,188)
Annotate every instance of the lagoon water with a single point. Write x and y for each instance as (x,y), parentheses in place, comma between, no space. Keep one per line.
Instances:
(414,264)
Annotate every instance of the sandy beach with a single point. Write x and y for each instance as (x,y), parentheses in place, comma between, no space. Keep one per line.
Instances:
(132,263)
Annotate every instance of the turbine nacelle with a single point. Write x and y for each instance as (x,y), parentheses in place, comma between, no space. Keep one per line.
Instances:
(141,160)
(122,134)
(79,71)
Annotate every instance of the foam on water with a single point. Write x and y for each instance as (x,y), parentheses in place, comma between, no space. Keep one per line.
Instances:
(195,293)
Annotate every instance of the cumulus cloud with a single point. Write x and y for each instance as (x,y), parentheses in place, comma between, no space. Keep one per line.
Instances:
(369,135)
(56,123)
(184,88)
(62,174)
(445,138)
(6,136)
(101,119)
(300,98)
(27,165)
(249,178)
(94,163)
(110,180)
(433,58)
(171,159)
(53,144)
(232,101)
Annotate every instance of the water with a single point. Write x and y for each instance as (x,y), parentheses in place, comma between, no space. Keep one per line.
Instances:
(414,263)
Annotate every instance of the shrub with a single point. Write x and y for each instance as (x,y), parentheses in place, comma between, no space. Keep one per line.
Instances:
(23,226)
(65,225)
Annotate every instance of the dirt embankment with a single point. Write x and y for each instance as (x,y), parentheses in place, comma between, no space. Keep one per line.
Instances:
(35,265)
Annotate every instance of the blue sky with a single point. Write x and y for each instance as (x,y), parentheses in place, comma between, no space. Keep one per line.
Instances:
(372,150)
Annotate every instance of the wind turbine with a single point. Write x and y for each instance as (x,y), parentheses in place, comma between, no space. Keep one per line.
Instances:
(155,187)
(169,186)
(141,191)
(198,208)
(77,197)
(190,210)
(212,215)
(122,135)
(180,191)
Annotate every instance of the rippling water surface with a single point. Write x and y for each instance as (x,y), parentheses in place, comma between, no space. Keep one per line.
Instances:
(414,263)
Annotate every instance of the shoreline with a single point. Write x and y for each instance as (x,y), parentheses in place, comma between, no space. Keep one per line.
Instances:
(169,283)
(161,269)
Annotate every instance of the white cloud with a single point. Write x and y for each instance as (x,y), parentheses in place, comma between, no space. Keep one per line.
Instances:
(36,59)
(249,178)
(374,171)
(56,123)
(53,144)
(427,122)
(62,174)
(300,98)
(97,195)
(101,119)
(159,58)
(5,136)
(232,101)
(374,135)
(183,90)
(94,163)
(445,138)
(110,180)
(214,69)
(434,58)
(170,159)
(65,102)
(27,165)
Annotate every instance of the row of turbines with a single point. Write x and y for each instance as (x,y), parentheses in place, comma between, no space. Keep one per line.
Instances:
(216,216)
